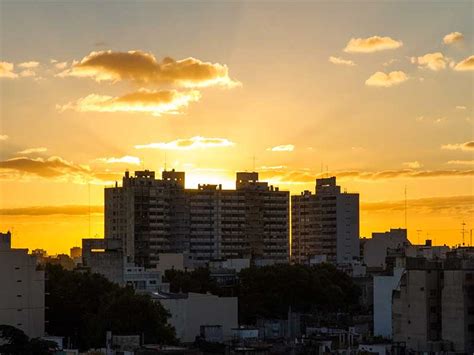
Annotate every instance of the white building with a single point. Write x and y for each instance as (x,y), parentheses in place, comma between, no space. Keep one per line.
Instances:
(383,289)
(191,311)
(22,291)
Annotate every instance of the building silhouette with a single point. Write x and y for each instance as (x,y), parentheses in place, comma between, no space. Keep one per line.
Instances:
(151,216)
(325,225)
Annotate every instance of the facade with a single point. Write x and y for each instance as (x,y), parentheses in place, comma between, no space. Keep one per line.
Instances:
(416,316)
(375,248)
(384,285)
(22,292)
(325,224)
(105,257)
(150,216)
(191,311)
(458,305)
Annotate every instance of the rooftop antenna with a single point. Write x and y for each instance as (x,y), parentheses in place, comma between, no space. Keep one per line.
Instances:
(406,225)
(470,239)
(165,161)
(253,162)
(89,193)
(418,231)
(327,171)
(463,231)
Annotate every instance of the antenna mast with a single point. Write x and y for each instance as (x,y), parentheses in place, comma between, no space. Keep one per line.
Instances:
(406,225)
(463,231)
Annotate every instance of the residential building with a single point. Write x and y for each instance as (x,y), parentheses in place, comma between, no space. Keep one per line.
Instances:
(416,316)
(458,304)
(375,248)
(191,311)
(154,216)
(325,224)
(105,257)
(22,292)
(433,307)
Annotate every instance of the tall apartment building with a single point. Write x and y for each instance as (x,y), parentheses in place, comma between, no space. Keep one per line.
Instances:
(325,224)
(152,216)
(22,292)
(148,215)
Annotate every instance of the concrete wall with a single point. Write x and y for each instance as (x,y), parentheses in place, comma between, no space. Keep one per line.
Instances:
(188,314)
(347,227)
(383,288)
(22,292)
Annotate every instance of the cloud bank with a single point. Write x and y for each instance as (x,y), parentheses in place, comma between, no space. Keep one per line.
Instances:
(147,101)
(380,79)
(143,68)
(371,44)
(196,142)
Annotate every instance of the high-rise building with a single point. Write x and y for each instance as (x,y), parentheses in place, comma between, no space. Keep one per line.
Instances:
(148,215)
(152,216)
(325,224)
(22,292)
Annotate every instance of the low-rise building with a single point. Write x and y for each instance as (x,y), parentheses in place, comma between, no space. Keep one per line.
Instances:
(22,292)
(191,311)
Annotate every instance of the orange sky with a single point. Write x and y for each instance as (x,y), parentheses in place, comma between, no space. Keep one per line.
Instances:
(380,95)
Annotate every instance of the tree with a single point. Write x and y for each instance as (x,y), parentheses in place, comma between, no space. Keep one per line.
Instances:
(82,306)
(198,281)
(15,342)
(271,290)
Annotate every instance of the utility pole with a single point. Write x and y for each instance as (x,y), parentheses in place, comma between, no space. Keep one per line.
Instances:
(418,231)
(463,231)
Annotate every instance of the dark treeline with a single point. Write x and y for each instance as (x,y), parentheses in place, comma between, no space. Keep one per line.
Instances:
(82,306)
(270,291)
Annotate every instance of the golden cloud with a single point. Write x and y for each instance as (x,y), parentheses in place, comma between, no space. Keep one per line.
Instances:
(6,70)
(144,68)
(69,210)
(127,159)
(461,162)
(305,176)
(147,101)
(434,61)
(380,79)
(453,37)
(412,164)
(27,73)
(459,146)
(3,137)
(371,44)
(341,61)
(52,168)
(282,148)
(196,142)
(463,204)
(33,150)
(465,64)
(29,65)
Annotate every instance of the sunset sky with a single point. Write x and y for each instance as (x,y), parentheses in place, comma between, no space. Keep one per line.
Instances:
(379,94)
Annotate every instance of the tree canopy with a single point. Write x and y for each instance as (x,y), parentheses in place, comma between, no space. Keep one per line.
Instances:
(82,306)
(270,291)
(14,341)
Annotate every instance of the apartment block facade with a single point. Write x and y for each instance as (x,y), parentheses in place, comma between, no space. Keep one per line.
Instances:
(325,223)
(151,216)
(22,303)
(433,307)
